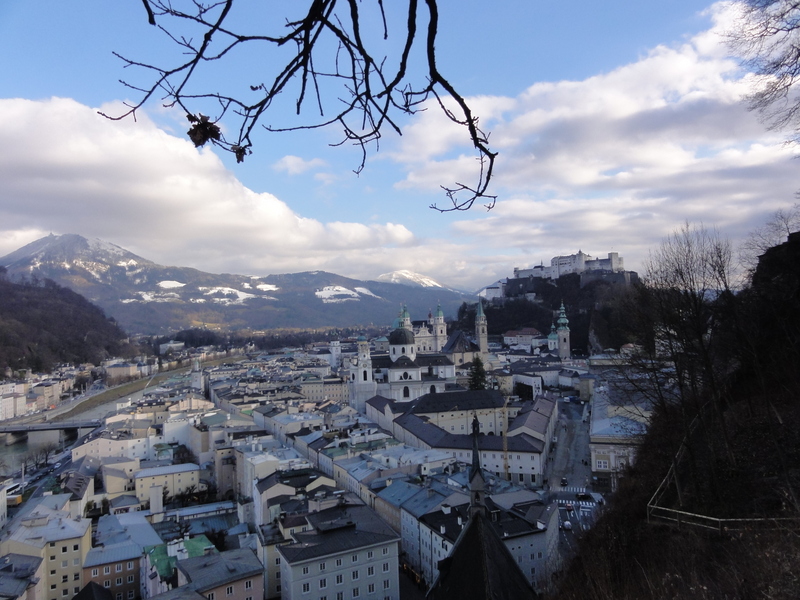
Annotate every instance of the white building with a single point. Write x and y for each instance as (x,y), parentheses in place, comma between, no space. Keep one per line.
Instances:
(572,263)
(348,552)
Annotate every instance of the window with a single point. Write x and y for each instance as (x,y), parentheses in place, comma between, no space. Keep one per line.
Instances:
(131,594)
(52,544)
(323,583)
(385,551)
(63,549)
(248,585)
(322,566)
(385,567)
(75,547)
(94,572)
(76,562)
(52,557)
(306,588)
(371,588)
(338,562)
(106,570)
(130,565)
(65,592)
(602,464)
(355,558)
(339,578)
(119,580)
(533,570)
(356,592)
(119,595)
(305,570)
(386,584)
(339,595)
(76,576)
(64,563)
(76,589)
(107,583)
(278,588)
(370,554)
(119,568)
(210,596)
(130,578)
(52,586)
(355,575)
(540,555)
(370,571)
(229,590)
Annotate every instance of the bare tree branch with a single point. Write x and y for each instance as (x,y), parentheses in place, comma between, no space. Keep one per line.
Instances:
(375,86)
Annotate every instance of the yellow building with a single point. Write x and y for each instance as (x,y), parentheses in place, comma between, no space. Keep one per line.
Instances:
(176,479)
(62,543)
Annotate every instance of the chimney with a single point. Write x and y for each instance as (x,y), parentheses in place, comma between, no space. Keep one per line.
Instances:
(446,509)
(441,529)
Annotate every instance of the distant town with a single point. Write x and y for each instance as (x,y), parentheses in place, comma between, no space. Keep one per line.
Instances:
(340,470)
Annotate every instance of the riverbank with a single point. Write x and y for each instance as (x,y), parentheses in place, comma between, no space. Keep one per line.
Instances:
(123,391)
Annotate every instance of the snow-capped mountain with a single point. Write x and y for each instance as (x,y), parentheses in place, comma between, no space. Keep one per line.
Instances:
(145,297)
(405,277)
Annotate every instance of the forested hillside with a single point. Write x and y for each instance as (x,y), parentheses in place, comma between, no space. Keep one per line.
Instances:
(42,324)
(721,371)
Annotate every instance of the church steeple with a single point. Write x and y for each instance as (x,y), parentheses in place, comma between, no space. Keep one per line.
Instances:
(477,484)
(564,352)
(481,335)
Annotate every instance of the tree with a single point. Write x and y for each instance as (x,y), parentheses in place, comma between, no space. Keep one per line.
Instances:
(477,375)
(772,233)
(766,36)
(336,55)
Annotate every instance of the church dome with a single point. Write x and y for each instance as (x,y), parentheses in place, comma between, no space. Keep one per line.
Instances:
(401,337)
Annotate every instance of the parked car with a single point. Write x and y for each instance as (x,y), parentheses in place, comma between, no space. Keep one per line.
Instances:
(57,465)
(567,525)
(584,496)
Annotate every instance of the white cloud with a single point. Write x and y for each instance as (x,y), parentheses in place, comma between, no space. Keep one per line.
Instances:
(65,169)
(619,160)
(610,163)
(294,165)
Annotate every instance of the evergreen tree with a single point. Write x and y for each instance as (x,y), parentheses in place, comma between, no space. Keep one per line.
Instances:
(477,375)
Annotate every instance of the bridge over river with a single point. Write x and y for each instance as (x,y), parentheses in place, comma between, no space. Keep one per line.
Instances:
(50,426)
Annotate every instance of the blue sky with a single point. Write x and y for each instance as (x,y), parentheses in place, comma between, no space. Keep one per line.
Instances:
(615,123)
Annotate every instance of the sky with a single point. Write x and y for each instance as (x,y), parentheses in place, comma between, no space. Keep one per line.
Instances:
(615,123)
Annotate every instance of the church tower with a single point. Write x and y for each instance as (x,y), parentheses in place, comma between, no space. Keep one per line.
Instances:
(477,484)
(439,329)
(562,330)
(405,319)
(362,384)
(481,335)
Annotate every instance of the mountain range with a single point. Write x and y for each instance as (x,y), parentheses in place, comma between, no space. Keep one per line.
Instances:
(148,298)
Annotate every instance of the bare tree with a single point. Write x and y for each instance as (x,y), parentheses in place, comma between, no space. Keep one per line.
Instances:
(767,36)
(772,233)
(325,54)
(684,362)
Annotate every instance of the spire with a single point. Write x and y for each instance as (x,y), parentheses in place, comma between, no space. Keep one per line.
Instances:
(563,322)
(476,481)
(480,309)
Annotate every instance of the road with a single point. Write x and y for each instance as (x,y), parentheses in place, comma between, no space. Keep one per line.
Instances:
(571,457)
